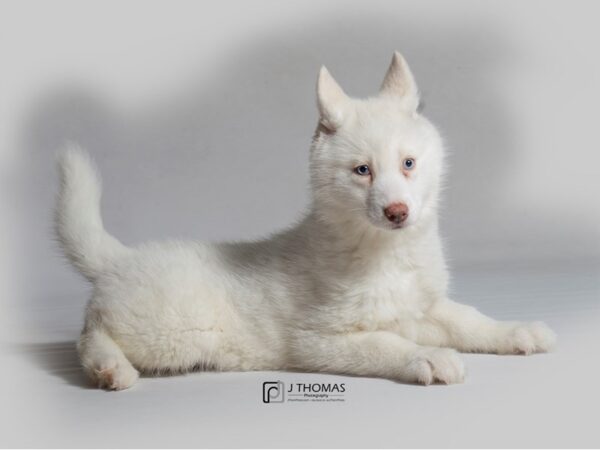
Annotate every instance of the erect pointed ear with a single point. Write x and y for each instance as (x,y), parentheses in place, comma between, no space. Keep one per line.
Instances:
(331,100)
(399,82)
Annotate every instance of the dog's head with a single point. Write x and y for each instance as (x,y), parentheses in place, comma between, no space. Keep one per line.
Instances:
(376,160)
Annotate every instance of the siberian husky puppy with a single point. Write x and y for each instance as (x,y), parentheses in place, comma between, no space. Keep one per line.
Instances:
(358,287)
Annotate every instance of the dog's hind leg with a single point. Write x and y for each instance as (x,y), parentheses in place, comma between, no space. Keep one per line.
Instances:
(104,362)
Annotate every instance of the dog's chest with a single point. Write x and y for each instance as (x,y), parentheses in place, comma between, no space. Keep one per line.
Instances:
(382,299)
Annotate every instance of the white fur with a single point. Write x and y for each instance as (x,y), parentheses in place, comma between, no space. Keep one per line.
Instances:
(342,292)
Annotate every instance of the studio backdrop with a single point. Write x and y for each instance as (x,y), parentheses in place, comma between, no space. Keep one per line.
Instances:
(200,116)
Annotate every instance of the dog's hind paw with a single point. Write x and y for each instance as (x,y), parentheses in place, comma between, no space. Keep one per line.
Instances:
(116,377)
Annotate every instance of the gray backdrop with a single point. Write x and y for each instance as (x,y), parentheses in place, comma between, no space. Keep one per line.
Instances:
(200,115)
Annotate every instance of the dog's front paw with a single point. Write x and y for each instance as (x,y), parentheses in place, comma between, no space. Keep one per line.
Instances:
(528,338)
(431,365)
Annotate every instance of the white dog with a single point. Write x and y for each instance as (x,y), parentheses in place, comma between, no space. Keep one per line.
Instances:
(359,287)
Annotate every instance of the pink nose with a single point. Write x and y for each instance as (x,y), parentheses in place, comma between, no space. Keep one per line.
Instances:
(396,213)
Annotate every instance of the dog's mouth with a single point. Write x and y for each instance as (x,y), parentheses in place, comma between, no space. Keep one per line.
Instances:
(399,226)
(391,226)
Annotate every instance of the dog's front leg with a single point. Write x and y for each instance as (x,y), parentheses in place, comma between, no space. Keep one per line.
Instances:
(378,354)
(450,324)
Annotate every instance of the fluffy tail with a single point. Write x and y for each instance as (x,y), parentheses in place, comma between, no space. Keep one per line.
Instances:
(78,223)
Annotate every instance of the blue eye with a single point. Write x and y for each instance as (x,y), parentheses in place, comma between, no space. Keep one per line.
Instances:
(408,164)
(362,170)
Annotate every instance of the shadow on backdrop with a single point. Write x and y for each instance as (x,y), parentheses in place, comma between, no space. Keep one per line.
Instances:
(178,166)
(59,359)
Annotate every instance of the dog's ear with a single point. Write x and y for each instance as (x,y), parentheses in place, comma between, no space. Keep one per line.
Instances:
(399,82)
(331,100)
